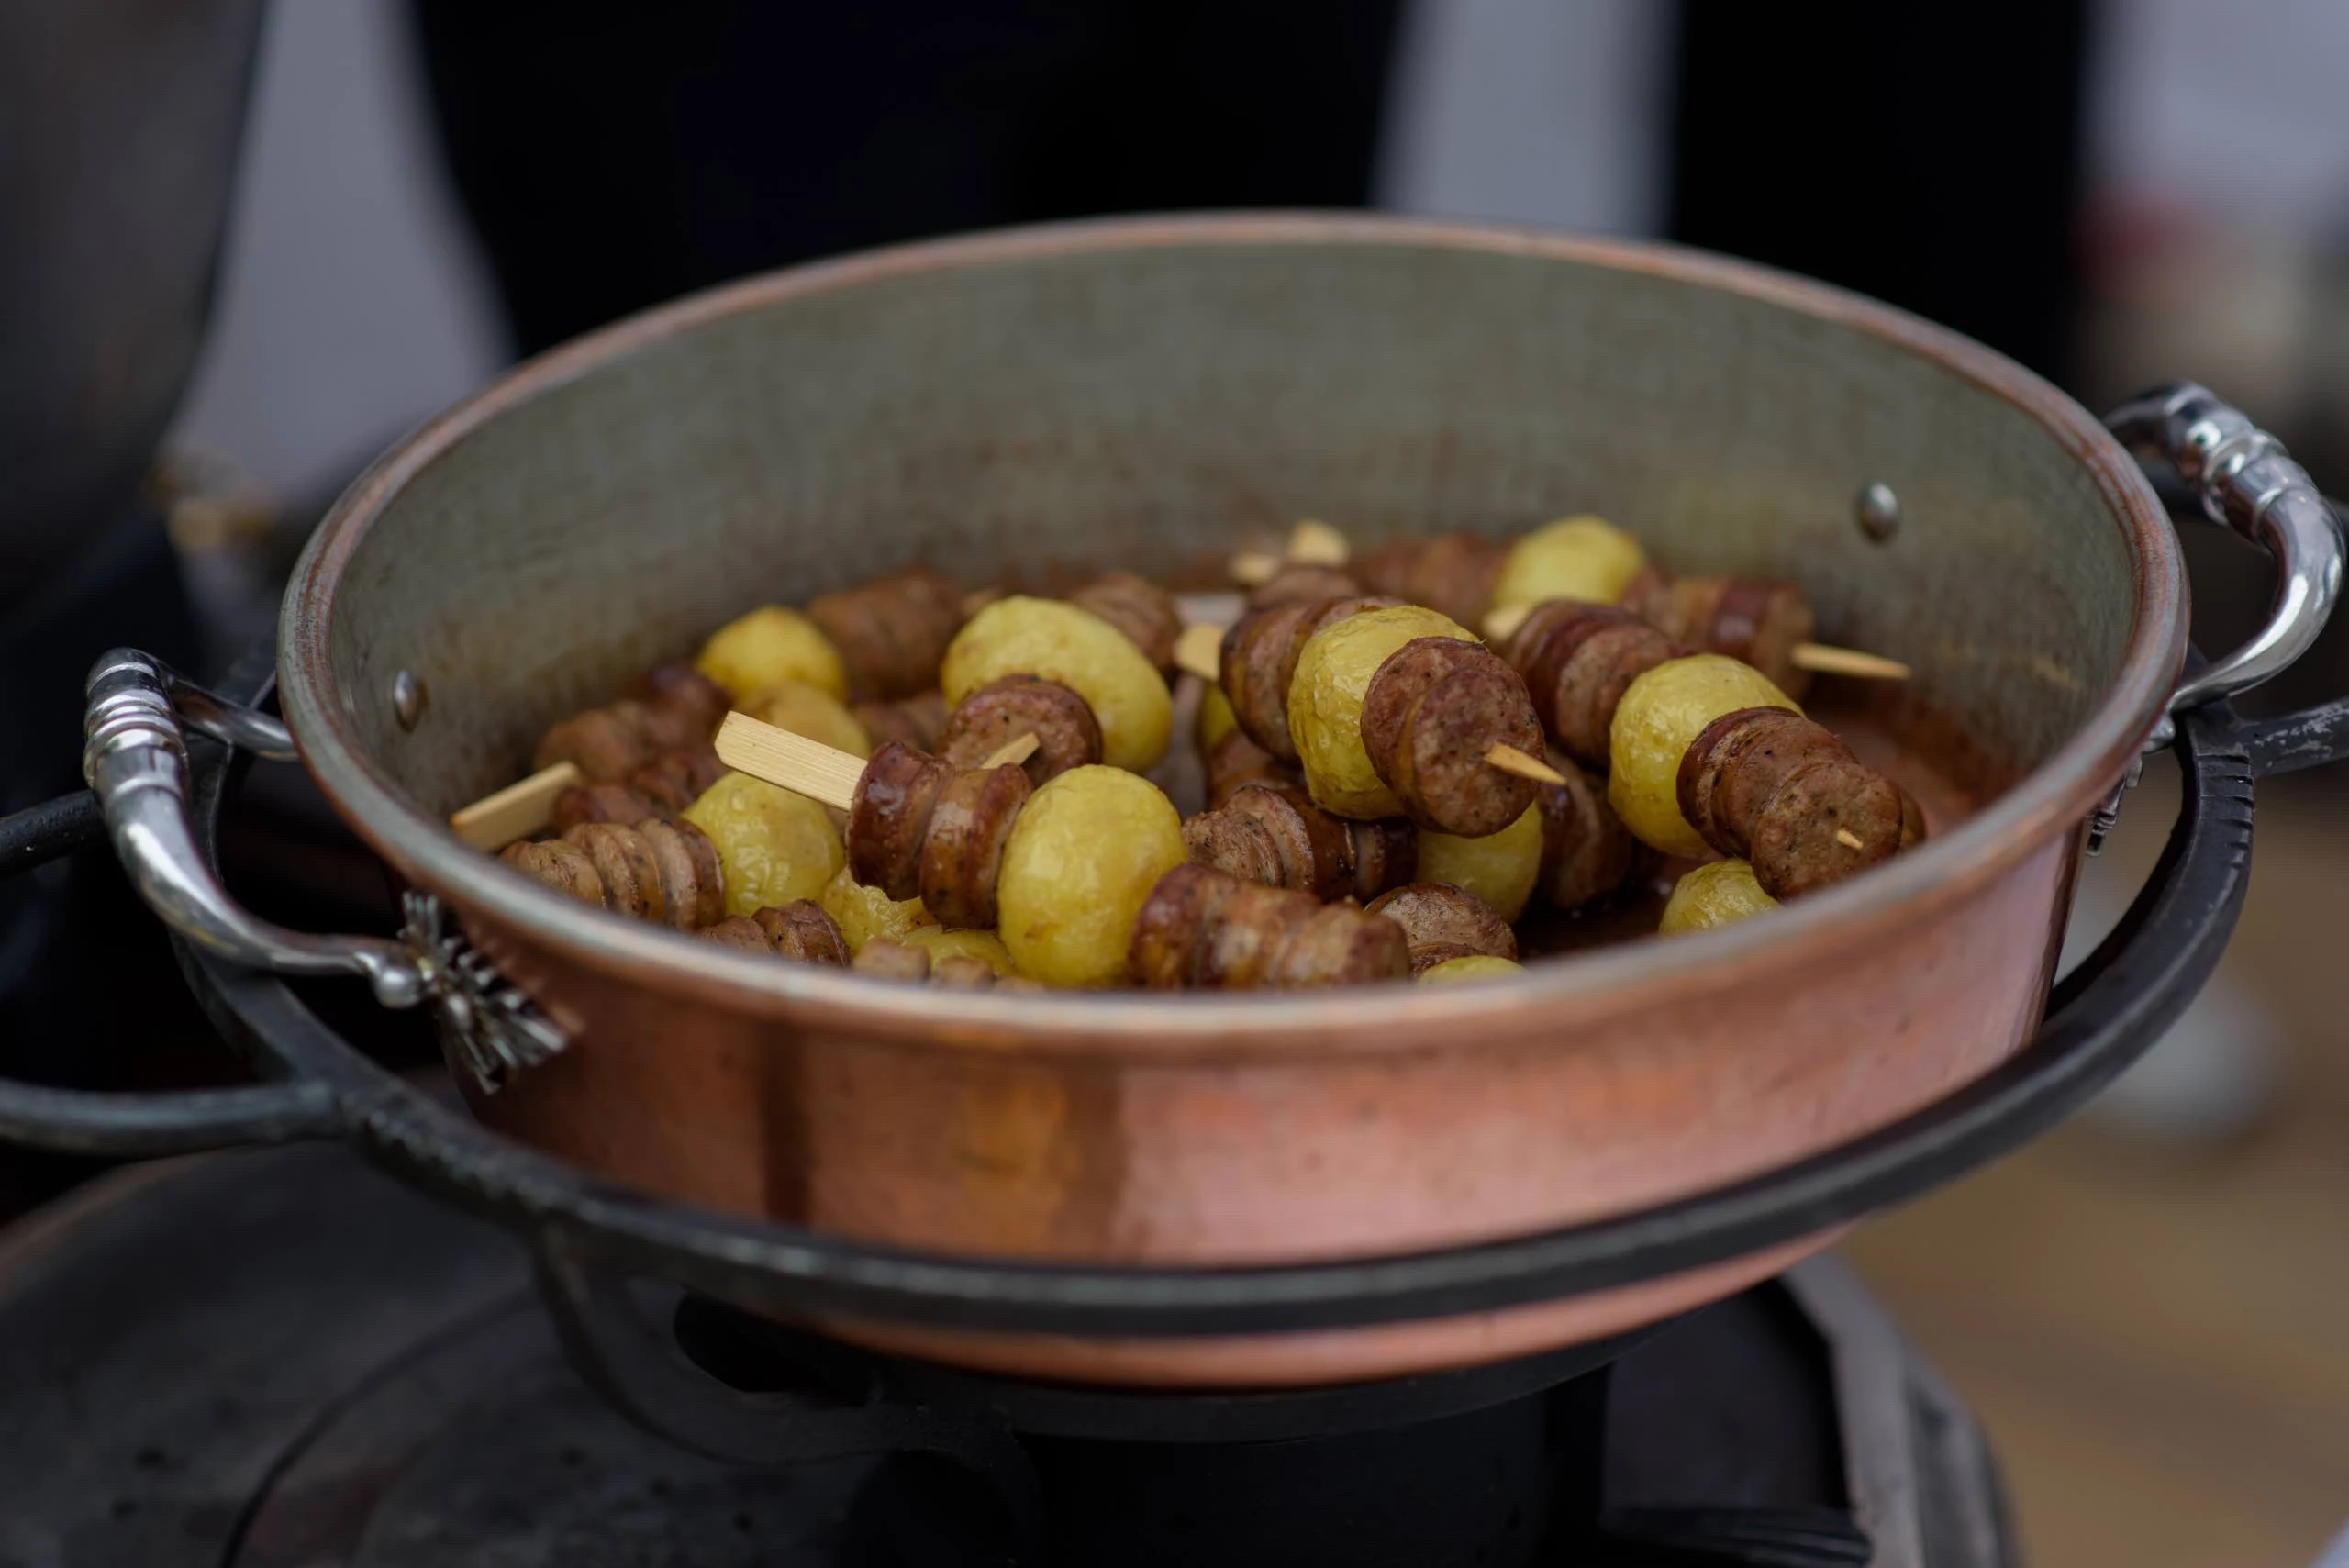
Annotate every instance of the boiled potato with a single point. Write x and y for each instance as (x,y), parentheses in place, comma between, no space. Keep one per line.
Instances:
(1216,719)
(1325,700)
(1082,856)
(943,943)
(1578,558)
(865,913)
(1060,642)
(1714,894)
(1661,714)
(775,846)
(766,648)
(1474,967)
(809,710)
(1500,868)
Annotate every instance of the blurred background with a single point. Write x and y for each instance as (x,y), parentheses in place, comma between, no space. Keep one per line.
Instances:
(247,246)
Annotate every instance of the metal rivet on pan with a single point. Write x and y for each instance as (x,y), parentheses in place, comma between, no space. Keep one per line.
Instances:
(410,697)
(1880,512)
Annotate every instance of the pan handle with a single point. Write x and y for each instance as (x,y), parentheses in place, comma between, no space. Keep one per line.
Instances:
(136,762)
(2246,481)
(135,758)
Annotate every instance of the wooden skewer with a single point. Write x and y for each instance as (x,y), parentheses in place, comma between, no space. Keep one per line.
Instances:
(1200,651)
(1502,624)
(1013,753)
(1848,839)
(1251,567)
(1315,543)
(823,774)
(1311,543)
(1525,766)
(515,812)
(1826,660)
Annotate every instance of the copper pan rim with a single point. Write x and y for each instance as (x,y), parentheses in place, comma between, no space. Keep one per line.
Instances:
(2051,801)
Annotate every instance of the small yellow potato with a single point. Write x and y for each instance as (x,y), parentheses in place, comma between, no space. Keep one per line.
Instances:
(1466,970)
(1061,641)
(865,913)
(1578,558)
(1500,868)
(1713,895)
(766,648)
(943,943)
(1325,701)
(775,846)
(1215,719)
(809,710)
(1082,856)
(1662,712)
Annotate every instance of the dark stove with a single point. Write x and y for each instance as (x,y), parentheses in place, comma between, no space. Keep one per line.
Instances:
(284,1358)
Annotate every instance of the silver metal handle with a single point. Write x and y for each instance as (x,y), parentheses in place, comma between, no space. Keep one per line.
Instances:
(2246,481)
(135,760)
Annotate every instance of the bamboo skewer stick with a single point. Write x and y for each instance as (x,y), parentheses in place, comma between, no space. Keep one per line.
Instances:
(823,774)
(1311,543)
(1200,651)
(1524,764)
(1502,624)
(1250,568)
(1826,659)
(1315,543)
(1013,753)
(515,812)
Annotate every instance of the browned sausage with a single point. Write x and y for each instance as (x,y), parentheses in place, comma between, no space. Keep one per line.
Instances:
(1452,574)
(601,803)
(1259,654)
(1203,928)
(1577,660)
(1438,913)
(1275,835)
(1299,581)
(1432,712)
(1066,733)
(1781,791)
(1748,618)
(1140,608)
(885,960)
(800,930)
(920,828)
(681,712)
(1587,852)
(657,870)
(1236,761)
(917,720)
(962,848)
(891,632)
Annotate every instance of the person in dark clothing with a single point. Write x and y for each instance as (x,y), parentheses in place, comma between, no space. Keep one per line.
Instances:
(1927,155)
(612,159)
(621,156)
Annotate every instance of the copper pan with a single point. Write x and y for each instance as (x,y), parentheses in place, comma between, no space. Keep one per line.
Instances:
(1151,395)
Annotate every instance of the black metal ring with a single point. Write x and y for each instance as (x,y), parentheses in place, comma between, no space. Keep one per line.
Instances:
(2099,1021)
(40,834)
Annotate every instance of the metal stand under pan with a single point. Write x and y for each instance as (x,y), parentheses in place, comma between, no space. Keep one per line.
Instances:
(280,1357)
